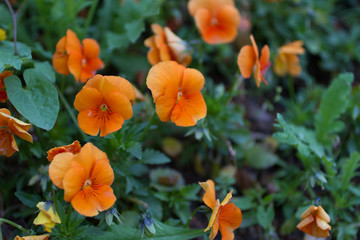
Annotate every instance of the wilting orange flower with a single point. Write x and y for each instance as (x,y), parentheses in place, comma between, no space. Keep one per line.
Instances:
(315,222)
(86,178)
(74,148)
(217,20)
(225,217)
(165,45)
(8,127)
(3,95)
(104,104)
(287,60)
(176,93)
(249,62)
(39,237)
(82,61)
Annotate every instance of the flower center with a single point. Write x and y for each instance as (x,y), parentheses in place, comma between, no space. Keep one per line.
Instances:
(83,62)
(87,183)
(103,108)
(214,21)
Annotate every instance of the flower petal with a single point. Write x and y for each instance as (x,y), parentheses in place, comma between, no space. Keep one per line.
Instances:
(8,145)
(73,44)
(105,196)
(91,48)
(230,218)
(111,125)
(102,173)
(193,81)
(119,103)
(75,64)
(209,196)
(246,60)
(73,182)
(122,85)
(58,168)
(85,203)
(89,122)
(88,98)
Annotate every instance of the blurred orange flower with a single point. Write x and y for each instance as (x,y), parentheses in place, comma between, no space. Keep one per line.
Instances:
(287,60)
(249,62)
(8,127)
(104,104)
(38,237)
(74,148)
(86,178)
(176,93)
(315,222)
(217,20)
(165,45)
(225,217)
(82,61)
(3,95)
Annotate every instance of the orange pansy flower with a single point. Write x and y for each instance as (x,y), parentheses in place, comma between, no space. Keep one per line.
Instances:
(3,95)
(38,237)
(249,61)
(86,178)
(315,222)
(103,104)
(74,148)
(225,217)
(81,60)
(165,45)
(8,127)
(176,93)
(287,60)
(217,20)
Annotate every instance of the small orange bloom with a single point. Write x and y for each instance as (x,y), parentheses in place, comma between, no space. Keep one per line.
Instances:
(165,45)
(8,127)
(217,20)
(74,148)
(86,178)
(249,62)
(176,93)
(225,217)
(315,222)
(3,95)
(38,237)
(287,60)
(103,104)
(82,61)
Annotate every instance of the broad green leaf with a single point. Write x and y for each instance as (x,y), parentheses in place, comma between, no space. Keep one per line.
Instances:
(265,217)
(9,59)
(163,232)
(151,156)
(259,157)
(134,29)
(135,149)
(244,203)
(38,101)
(150,7)
(116,41)
(28,199)
(334,103)
(46,70)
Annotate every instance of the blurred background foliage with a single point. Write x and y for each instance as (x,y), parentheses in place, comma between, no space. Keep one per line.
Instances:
(280,153)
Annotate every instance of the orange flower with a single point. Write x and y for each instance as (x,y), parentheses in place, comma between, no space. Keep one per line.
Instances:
(315,222)
(248,61)
(217,20)
(176,93)
(38,237)
(104,103)
(3,95)
(225,217)
(8,127)
(287,60)
(86,178)
(165,45)
(82,61)
(74,148)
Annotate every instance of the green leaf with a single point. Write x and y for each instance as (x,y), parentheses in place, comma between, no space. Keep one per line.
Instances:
(38,102)
(265,217)
(116,41)
(135,149)
(46,70)
(259,157)
(151,156)
(150,7)
(28,199)
(334,102)
(302,138)
(134,29)
(244,203)
(163,232)
(348,169)
(9,59)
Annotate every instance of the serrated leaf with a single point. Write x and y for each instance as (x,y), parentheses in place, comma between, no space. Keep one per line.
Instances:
(151,156)
(38,102)
(163,232)
(134,29)
(334,103)
(348,169)
(135,149)
(28,199)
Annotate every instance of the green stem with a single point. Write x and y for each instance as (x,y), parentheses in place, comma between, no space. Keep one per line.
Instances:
(292,89)
(69,110)
(90,15)
(14,22)
(192,216)
(12,224)
(237,81)
(148,126)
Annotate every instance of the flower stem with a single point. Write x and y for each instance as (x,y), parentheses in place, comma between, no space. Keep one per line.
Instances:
(90,15)
(237,81)
(192,216)
(69,110)
(12,224)
(148,126)
(14,21)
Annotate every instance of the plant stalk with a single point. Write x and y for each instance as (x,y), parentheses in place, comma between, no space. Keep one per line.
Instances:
(12,224)
(90,15)
(15,25)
